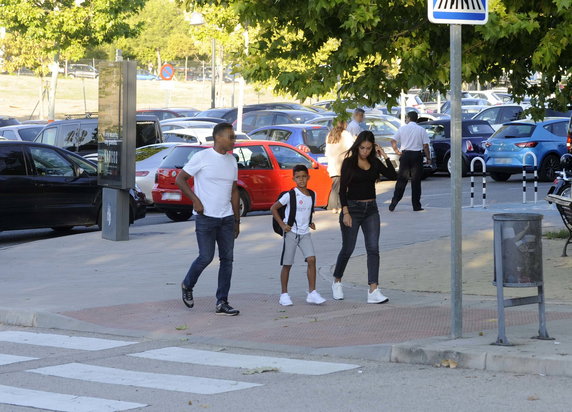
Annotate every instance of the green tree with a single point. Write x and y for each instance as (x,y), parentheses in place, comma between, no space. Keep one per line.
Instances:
(371,50)
(66,28)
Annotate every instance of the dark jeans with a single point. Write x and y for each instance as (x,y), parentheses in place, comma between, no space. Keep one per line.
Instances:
(211,230)
(410,167)
(366,216)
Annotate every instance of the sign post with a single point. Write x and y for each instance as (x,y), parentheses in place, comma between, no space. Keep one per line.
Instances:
(116,145)
(166,73)
(455,13)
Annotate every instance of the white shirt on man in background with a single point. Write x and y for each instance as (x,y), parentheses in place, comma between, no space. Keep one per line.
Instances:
(214,175)
(411,137)
(354,128)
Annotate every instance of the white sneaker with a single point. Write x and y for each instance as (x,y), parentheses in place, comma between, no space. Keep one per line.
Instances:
(376,297)
(337,290)
(285,300)
(315,298)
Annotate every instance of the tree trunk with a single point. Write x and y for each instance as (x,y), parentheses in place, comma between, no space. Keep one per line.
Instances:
(53,86)
(159,62)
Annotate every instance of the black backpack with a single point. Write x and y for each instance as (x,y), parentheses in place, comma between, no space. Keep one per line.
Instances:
(292,215)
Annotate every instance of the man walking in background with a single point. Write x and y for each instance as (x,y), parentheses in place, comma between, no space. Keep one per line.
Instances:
(412,140)
(217,218)
(354,127)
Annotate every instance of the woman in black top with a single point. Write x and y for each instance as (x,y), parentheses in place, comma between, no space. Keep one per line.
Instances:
(360,170)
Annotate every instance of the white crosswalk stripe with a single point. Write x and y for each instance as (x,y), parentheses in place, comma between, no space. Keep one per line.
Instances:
(9,359)
(61,402)
(202,357)
(61,341)
(179,383)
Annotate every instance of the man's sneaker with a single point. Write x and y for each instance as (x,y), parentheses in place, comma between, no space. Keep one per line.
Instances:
(224,308)
(285,300)
(315,298)
(376,297)
(187,296)
(337,290)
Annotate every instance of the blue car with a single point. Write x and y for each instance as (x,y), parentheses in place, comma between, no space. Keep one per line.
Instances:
(309,138)
(505,150)
(145,75)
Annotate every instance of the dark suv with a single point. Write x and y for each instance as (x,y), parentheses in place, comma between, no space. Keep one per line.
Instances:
(80,135)
(45,186)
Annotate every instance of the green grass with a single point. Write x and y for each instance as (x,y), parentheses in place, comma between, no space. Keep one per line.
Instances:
(561,234)
(20,95)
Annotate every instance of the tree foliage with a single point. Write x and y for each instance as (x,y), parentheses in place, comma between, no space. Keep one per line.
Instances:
(371,50)
(64,27)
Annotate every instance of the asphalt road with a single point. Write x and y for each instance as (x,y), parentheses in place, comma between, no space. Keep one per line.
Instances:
(47,370)
(436,193)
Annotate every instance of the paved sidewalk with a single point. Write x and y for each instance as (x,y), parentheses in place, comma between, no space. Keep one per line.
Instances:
(82,282)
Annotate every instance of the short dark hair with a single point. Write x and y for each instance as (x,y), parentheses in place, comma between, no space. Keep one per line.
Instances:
(219,128)
(359,110)
(299,168)
(412,116)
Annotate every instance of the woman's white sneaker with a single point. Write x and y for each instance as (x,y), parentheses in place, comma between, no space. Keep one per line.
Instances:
(315,298)
(337,290)
(285,300)
(376,297)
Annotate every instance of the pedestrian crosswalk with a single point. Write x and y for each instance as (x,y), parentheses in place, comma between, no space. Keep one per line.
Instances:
(141,375)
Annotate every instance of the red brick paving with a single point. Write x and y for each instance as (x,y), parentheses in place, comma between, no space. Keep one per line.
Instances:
(336,323)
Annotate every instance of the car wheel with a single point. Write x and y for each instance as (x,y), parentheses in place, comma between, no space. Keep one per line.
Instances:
(464,167)
(548,168)
(62,229)
(564,191)
(244,205)
(500,176)
(179,215)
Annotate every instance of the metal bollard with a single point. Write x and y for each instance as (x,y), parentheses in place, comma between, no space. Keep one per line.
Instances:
(484,175)
(535,170)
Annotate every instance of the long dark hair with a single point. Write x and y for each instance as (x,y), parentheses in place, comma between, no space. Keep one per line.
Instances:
(353,153)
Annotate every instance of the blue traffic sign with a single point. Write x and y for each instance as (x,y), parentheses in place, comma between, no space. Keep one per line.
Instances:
(458,11)
(167,72)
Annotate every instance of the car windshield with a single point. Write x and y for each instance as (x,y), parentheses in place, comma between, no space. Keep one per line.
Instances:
(315,139)
(479,129)
(143,153)
(173,136)
(29,134)
(515,131)
(179,157)
(434,131)
(146,133)
(303,117)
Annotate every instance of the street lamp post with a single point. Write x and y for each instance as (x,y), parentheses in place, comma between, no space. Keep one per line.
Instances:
(196,18)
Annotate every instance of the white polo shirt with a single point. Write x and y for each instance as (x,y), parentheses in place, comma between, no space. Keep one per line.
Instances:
(214,175)
(411,137)
(354,128)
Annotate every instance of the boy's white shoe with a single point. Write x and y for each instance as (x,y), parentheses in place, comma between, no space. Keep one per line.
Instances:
(315,298)
(285,300)
(376,297)
(337,290)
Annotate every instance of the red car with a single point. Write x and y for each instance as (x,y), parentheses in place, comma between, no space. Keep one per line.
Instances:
(264,171)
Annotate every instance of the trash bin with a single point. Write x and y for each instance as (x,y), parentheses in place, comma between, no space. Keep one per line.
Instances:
(518,264)
(518,245)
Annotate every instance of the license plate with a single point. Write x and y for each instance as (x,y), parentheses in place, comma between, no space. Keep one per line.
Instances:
(171,196)
(503,160)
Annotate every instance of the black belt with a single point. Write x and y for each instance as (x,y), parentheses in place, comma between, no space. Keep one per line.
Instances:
(412,151)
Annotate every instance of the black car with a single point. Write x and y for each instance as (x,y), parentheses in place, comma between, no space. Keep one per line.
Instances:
(8,121)
(47,187)
(474,133)
(80,135)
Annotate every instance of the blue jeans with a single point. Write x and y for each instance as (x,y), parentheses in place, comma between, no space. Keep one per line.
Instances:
(366,216)
(211,230)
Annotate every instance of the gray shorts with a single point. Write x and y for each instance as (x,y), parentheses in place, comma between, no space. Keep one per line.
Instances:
(293,241)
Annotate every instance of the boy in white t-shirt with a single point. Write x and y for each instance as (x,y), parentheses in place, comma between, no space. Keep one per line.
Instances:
(298,235)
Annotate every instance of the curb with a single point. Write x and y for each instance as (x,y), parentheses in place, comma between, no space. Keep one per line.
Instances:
(437,352)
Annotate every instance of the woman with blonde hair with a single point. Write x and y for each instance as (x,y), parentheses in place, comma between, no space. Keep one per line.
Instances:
(338,142)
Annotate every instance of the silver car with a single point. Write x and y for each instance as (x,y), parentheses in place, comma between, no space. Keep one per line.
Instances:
(148,158)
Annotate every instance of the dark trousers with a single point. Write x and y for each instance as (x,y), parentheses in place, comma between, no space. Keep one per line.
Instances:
(366,216)
(211,231)
(410,167)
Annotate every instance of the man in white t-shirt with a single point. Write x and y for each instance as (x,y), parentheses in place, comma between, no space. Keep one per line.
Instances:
(354,127)
(215,200)
(413,141)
